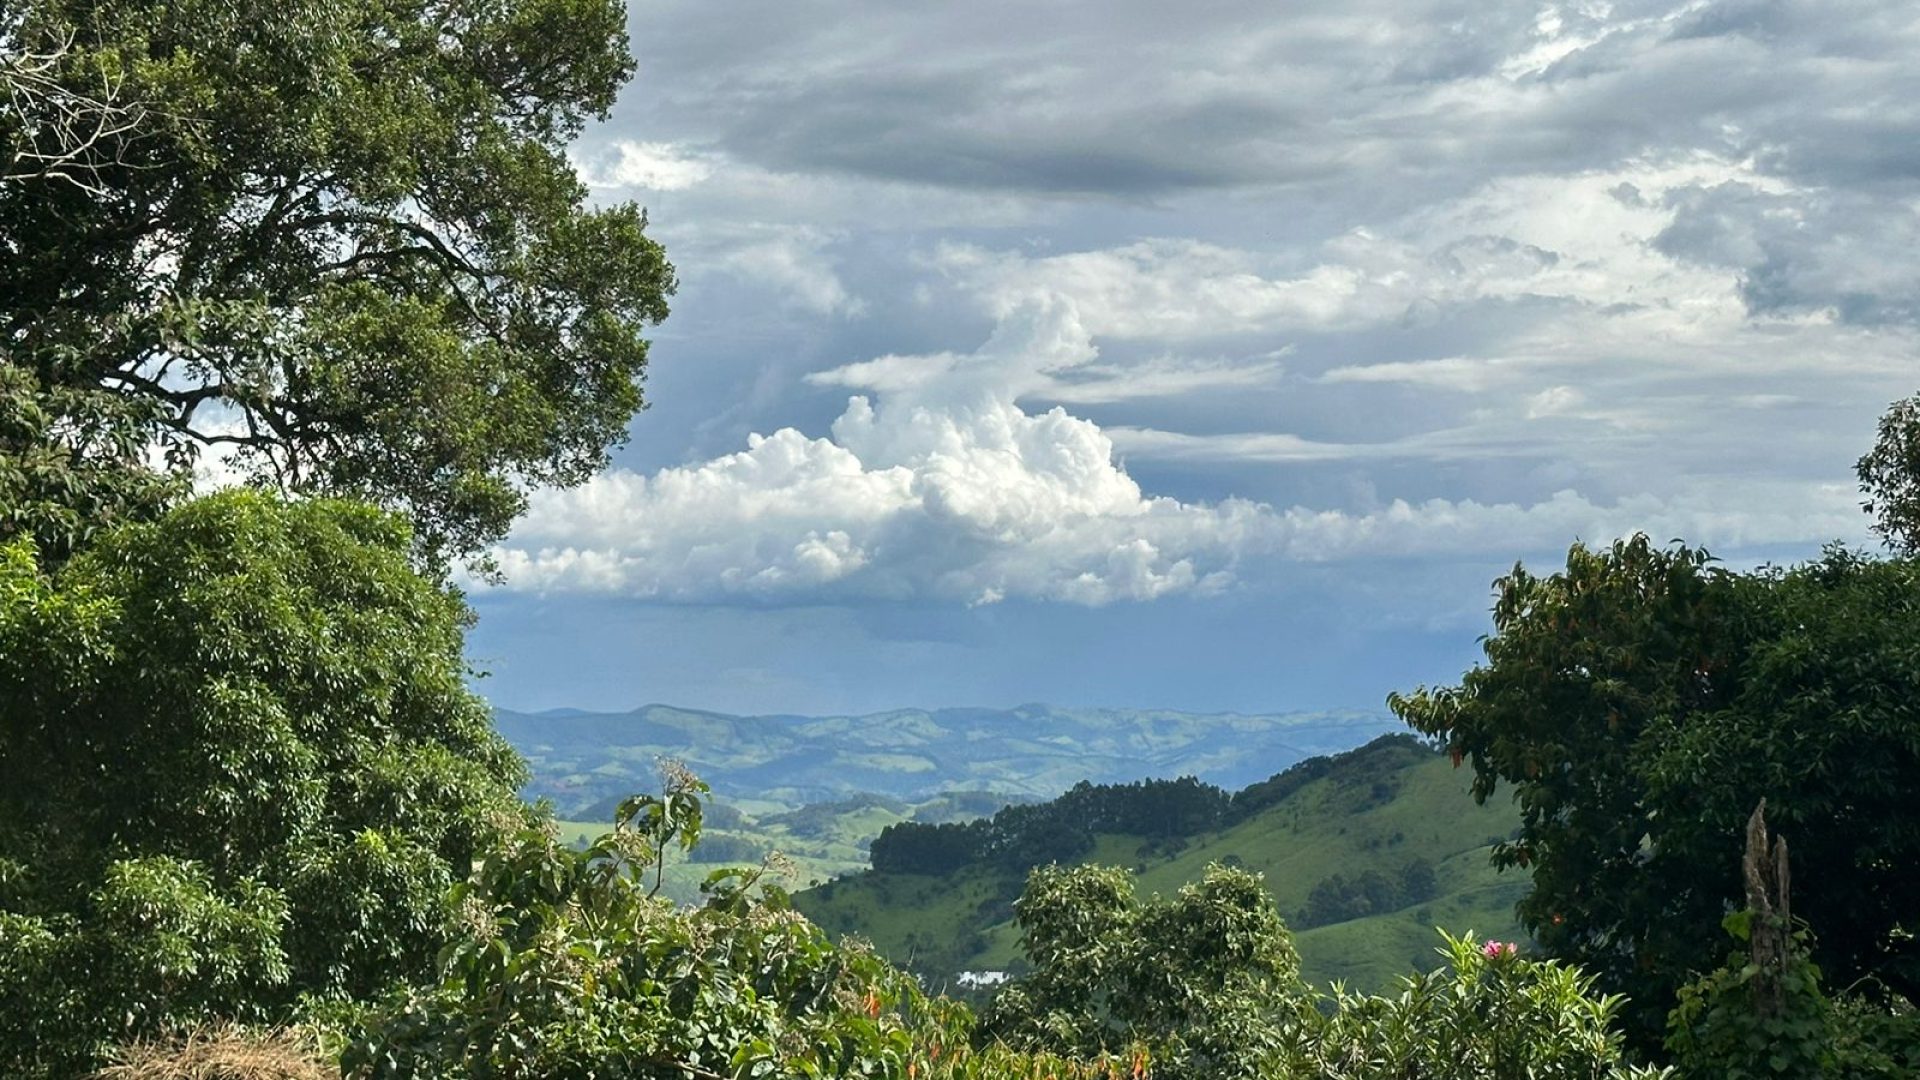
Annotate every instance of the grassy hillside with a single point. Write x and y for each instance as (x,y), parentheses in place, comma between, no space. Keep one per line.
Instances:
(584,763)
(1377,809)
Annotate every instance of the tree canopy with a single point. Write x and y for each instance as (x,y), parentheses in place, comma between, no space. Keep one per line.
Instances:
(1023,836)
(1642,700)
(238,764)
(1890,477)
(339,241)
(1208,978)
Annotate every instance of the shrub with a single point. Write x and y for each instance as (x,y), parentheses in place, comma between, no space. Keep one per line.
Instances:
(1487,1014)
(1721,1029)
(567,966)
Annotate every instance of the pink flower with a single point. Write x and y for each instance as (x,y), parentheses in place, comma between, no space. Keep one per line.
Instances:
(1494,950)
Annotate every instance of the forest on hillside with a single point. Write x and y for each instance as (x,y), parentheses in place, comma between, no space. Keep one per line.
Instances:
(249,798)
(1364,852)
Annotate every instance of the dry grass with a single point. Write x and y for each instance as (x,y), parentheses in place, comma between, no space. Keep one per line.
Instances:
(222,1053)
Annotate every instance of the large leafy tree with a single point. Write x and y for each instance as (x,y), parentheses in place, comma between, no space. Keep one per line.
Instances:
(1208,979)
(338,241)
(238,764)
(1640,702)
(1825,727)
(1890,477)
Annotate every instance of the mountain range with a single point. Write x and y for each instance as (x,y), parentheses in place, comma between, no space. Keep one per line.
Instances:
(585,762)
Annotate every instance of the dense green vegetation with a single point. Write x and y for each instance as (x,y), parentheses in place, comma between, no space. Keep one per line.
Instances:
(242,779)
(1196,975)
(340,240)
(1642,701)
(236,745)
(1020,838)
(1206,979)
(565,964)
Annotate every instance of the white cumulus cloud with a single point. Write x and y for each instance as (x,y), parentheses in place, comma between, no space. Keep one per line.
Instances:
(940,485)
(652,166)
(935,483)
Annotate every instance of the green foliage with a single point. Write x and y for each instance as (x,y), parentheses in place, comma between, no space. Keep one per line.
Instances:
(1328,825)
(1720,1028)
(1580,667)
(343,241)
(1716,1029)
(1826,726)
(1876,1036)
(1640,702)
(72,464)
(160,947)
(567,966)
(1488,1014)
(1024,836)
(238,764)
(1208,981)
(1339,898)
(1205,978)
(1890,477)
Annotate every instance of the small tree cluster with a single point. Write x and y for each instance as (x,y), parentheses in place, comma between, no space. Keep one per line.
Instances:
(1487,1014)
(1338,897)
(1207,979)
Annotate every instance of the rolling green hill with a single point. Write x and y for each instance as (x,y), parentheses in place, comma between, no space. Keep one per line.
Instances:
(1365,814)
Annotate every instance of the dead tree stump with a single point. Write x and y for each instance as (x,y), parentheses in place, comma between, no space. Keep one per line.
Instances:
(1771,929)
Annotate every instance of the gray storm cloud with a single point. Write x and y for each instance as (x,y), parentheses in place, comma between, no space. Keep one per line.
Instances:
(1420,279)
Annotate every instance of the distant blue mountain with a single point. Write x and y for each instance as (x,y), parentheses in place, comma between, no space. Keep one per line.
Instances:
(585,761)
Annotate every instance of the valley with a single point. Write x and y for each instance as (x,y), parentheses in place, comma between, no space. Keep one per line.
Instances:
(1370,813)
(1366,845)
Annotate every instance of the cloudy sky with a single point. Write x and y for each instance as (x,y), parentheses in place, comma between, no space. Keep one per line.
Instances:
(1211,356)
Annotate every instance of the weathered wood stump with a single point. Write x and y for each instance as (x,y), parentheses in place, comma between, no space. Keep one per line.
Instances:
(1771,930)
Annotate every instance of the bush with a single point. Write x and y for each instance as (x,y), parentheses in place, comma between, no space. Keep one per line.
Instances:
(1206,979)
(568,967)
(1487,1014)
(1720,1027)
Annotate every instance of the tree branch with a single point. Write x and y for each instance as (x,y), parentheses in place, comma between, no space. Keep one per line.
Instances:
(66,135)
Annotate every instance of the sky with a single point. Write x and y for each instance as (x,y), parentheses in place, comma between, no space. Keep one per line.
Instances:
(1213,356)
